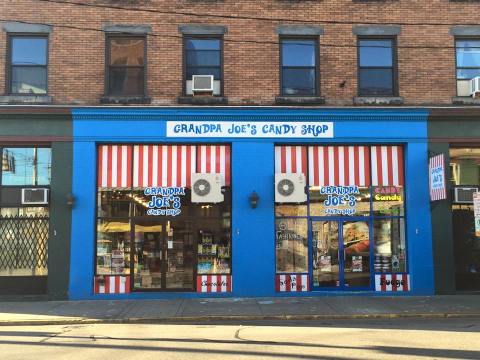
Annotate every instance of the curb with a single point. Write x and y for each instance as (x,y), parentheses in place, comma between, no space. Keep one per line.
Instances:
(213,318)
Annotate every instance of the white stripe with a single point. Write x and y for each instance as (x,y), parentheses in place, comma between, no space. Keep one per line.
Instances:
(385,166)
(165,160)
(396,181)
(331,166)
(351,165)
(311,167)
(155,166)
(112,285)
(212,159)
(183,180)
(388,279)
(293,283)
(361,164)
(222,164)
(282,282)
(204,285)
(101,289)
(341,166)
(114,165)
(203,159)
(223,281)
(174,166)
(374,166)
(278,160)
(125,166)
(288,159)
(136,161)
(321,164)
(123,280)
(193,160)
(378,287)
(145,166)
(299,154)
(213,288)
(104,165)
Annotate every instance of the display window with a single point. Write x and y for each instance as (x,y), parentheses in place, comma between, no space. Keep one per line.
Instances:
(156,221)
(351,220)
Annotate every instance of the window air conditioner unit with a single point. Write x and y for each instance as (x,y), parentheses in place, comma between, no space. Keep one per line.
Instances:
(474,86)
(464,195)
(290,188)
(206,188)
(38,196)
(202,83)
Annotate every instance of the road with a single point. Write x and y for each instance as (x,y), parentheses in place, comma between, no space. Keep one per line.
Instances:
(334,339)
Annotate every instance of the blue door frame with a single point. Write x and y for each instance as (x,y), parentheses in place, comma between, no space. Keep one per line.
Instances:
(341,253)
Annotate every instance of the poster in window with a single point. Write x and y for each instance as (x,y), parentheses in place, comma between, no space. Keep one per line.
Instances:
(325,263)
(356,264)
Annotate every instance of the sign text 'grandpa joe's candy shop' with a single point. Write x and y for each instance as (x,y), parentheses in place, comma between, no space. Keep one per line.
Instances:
(164,201)
(340,200)
(241,129)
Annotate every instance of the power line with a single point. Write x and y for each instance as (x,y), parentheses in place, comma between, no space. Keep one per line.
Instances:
(228,40)
(242,17)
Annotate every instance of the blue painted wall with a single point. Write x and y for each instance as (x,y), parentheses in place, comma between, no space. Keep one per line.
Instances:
(253,252)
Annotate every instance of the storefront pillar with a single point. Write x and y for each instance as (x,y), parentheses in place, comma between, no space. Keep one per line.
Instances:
(83,221)
(253,228)
(418,219)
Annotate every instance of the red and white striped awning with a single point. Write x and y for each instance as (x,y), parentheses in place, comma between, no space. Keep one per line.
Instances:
(339,165)
(214,159)
(114,166)
(163,165)
(290,159)
(387,165)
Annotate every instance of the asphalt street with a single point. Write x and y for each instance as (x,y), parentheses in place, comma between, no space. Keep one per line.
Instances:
(406,338)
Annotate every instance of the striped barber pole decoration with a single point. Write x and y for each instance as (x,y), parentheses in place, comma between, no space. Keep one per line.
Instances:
(392,282)
(339,165)
(163,165)
(214,283)
(387,165)
(291,160)
(291,282)
(214,159)
(111,284)
(438,188)
(114,166)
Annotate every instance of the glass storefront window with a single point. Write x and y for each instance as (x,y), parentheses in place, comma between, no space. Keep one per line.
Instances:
(290,210)
(389,245)
(291,245)
(113,203)
(388,200)
(26,166)
(113,247)
(339,201)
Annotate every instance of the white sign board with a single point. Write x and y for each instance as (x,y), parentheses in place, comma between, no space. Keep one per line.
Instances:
(476,212)
(438,189)
(246,129)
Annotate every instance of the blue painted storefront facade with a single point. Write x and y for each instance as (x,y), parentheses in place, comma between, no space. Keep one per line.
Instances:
(252,168)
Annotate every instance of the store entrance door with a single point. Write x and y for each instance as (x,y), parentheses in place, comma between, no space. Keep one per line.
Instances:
(163,260)
(341,254)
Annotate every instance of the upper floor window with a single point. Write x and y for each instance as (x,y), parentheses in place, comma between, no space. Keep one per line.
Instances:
(299,68)
(26,166)
(468,64)
(203,56)
(376,67)
(125,66)
(27,66)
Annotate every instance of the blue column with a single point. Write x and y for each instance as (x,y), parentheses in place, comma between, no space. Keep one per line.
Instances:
(253,230)
(83,221)
(419,233)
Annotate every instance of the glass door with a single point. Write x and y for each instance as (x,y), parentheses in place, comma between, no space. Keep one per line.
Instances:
(341,254)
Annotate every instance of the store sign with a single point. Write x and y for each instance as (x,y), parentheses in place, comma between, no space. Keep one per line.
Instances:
(246,129)
(164,201)
(388,193)
(438,190)
(340,200)
(476,212)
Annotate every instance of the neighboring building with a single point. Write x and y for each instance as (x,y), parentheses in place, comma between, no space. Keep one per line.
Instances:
(363,223)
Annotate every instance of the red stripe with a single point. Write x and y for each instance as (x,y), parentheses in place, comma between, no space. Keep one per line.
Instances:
(169,165)
(299,282)
(293,156)
(127,284)
(179,165)
(199,283)
(336,166)
(96,286)
(107,284)
(188,166)
(227,165)
(109,165)
(400,165)
(304,160)
(140,165)
(129,167)
(229,282)
(315,166)
(326,175)
(356,165)
(217,159)
(117,284)
(346,165)
(199,158)
(389,165)
(219,283)
(209,283)
(159,165)
(383,282)
(379,165)
(277,283)
(394,282)
(100,165)
(283,159)
(405,282)
(366,154)
(207,155)
(150,165)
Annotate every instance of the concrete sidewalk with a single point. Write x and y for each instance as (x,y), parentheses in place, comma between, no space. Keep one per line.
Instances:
(291,308)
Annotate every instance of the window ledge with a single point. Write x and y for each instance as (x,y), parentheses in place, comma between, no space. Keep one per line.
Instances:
(203,100)
(300,100)
(465,100)
(26,99)
(378,100)
(125,100)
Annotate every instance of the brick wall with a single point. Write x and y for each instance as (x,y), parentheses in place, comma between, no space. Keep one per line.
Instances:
(76,64)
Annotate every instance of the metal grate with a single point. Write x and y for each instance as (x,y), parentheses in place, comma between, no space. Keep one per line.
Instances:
(23,245)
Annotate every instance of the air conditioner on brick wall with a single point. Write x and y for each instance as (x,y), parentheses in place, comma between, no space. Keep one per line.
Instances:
(202,84)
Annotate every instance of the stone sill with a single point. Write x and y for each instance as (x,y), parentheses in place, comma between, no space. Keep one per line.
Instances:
(465,100)
(203,100)
(300,100)
(125,100)
(26,99)
(378,100)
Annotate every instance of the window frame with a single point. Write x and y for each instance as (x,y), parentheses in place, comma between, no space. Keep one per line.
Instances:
(394,67)
(109,37)
(316,40)
(456,39)
(9,66)
(184,60)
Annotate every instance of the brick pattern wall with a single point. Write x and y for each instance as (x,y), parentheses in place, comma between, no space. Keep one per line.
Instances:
(251,53)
